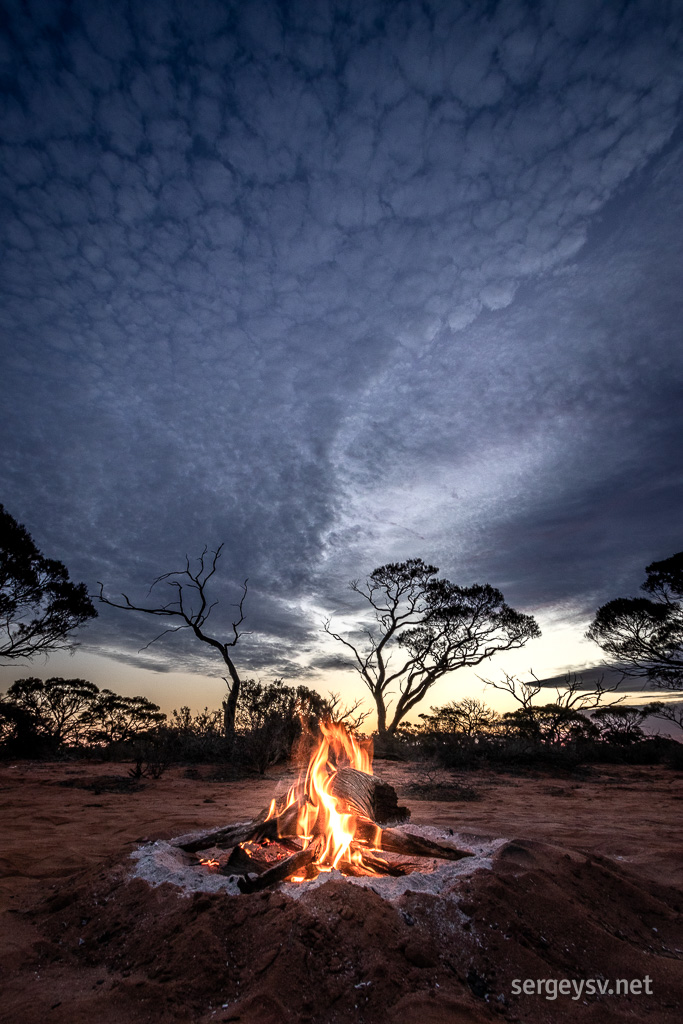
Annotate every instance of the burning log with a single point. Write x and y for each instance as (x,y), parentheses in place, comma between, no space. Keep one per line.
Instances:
(391,840)
(280,825)
(408,844)
(280,872)
(365,794)
(371,864)
(368,796)
(226,837)
(331,818)
(258,829)
(253,857)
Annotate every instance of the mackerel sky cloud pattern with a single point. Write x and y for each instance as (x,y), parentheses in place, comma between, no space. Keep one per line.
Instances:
(339,283)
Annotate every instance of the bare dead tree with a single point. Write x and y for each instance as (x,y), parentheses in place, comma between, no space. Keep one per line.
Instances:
(558,718)
(191,606)
(346,713)
(523,692)
(573,696)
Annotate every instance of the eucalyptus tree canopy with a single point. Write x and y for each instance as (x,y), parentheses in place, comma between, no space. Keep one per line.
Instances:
(59,707)
(644,635)
(112,718)
(423,628)
(39,605)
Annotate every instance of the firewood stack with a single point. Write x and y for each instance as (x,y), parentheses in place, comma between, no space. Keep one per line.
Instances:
(271,848)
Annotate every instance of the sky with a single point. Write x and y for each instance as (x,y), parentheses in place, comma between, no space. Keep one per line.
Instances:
(336,284)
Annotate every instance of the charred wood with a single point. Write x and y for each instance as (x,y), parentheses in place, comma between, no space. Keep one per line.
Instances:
(284,824)
(410,845)
(224,838)
(372,864)
(283,870)
(254,857)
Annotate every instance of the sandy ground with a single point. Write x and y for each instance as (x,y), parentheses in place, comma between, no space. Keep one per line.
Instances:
(589,886)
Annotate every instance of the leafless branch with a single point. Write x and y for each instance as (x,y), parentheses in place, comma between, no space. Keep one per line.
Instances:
(186,583)
(163,633)
(350,715)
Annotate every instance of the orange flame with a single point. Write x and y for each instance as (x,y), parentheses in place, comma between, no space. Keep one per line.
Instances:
(321,807)
(320,811)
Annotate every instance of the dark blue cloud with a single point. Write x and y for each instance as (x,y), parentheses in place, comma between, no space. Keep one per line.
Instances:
(337,283)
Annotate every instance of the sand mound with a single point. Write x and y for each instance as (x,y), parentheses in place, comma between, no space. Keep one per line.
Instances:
(111,949)
(343,953)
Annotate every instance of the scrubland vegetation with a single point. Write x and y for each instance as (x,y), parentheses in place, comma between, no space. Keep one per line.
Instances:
(422,628)
(71,718)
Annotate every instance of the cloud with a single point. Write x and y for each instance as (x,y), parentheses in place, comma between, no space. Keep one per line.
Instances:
(335,284)
(551,434)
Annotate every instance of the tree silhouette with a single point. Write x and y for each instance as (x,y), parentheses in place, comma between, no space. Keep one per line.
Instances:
(433,626)
(191,606)
(621,725)
(468,716)
(58,706)
(562,718)
(667,712)
(573,695)
(112,718)
(39,605)
(644,635)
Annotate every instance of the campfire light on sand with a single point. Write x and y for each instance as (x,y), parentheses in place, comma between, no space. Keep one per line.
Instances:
(337,820)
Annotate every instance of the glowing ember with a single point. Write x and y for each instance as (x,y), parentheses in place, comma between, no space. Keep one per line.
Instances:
(212,864)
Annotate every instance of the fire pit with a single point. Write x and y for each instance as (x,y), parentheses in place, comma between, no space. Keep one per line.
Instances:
(338,818)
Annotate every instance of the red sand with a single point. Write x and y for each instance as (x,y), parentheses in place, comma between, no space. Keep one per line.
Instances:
(592,887)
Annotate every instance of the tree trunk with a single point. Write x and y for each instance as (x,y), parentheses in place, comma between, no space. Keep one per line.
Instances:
(401,710)
(230,705)
(381,714)
(228,729)
(395,722)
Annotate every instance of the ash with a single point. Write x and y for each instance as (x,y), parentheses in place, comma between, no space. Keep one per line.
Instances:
(163,862)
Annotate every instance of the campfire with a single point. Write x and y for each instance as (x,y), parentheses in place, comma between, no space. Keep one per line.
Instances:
(337,817)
